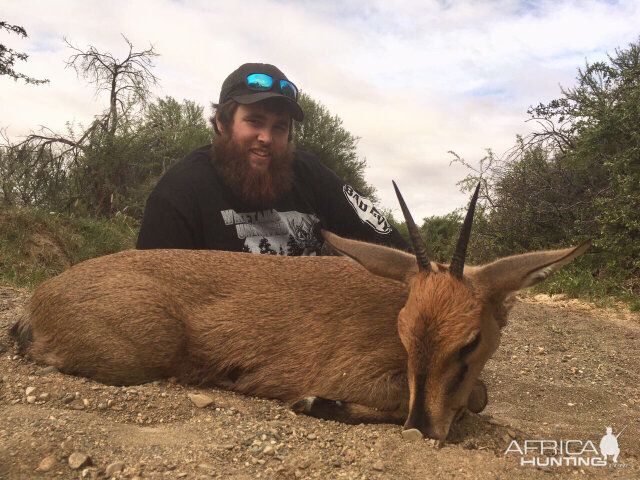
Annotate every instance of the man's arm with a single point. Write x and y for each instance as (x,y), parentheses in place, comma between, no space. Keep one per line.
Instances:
(163,226)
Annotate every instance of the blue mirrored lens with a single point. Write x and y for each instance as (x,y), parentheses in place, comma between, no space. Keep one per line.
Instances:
(288,89)
(260,82)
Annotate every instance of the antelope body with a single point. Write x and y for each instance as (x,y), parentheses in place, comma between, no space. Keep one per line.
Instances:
(384,338)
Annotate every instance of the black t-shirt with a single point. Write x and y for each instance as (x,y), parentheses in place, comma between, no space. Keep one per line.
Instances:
(191,208)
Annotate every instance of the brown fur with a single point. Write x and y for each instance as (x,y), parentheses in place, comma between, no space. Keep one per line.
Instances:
(281,327)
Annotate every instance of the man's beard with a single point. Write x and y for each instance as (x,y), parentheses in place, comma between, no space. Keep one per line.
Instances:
(256,188)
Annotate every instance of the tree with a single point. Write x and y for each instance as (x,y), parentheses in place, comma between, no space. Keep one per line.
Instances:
(98,158)
(576,176)
(293,248)
(323,135)
(265,247)
(167,131)
(128,81)
(31,176)
(8,56)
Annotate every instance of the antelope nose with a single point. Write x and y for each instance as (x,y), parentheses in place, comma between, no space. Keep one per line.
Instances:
(417,420)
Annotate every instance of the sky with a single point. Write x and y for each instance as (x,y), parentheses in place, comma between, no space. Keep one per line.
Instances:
(413,79)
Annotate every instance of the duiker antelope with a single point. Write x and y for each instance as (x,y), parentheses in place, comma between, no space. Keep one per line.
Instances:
(390,337)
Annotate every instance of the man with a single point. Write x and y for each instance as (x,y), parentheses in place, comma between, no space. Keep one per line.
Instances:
(251,191)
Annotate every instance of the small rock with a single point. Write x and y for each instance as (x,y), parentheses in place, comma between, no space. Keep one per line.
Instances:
(200,400)
(495,421)
(115,467)
(85,402)
(68,398)
(31,399)
(412,435)
(379,466)
(90,473)
(78,460)
(29,391)
(228,446)
(181,475)
(511,433)
(102,406)
(312,436)
(47,463)
(44,397)
(269,450)
(46,370)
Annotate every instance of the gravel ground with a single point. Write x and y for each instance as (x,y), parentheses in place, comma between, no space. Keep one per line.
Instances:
(565,370)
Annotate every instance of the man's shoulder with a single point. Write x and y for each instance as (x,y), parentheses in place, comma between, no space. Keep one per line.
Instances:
(307,164)
(305,158)
(195,167)
(194,162)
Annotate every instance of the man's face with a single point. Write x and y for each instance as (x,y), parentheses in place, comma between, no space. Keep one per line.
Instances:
(260,134)
(254,157)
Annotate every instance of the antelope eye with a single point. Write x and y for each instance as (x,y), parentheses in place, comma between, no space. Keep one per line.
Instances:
(470,347)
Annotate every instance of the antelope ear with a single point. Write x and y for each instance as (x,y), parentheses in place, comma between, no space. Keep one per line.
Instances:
(379,260)
(520,271)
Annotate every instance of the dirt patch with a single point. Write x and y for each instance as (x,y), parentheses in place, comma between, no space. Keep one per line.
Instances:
(47,251)
(564,371)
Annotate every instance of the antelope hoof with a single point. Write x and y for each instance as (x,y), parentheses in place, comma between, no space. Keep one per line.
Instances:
(304,405)
(478,398)
(317,407)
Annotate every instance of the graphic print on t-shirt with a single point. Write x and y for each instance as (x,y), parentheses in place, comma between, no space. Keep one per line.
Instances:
(366,210)
(275,233)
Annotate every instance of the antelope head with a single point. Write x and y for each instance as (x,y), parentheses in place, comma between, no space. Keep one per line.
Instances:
(451,322)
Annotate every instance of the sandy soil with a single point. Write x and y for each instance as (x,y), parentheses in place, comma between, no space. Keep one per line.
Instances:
(564,371)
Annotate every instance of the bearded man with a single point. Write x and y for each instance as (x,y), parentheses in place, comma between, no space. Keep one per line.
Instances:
(251,190)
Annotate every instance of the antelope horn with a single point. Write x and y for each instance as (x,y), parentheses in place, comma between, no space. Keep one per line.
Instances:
(418,245)
(457,262)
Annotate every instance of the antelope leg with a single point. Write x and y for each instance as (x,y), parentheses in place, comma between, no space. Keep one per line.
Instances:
(346,412)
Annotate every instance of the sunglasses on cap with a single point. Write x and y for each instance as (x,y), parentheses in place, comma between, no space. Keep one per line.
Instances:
(261,82)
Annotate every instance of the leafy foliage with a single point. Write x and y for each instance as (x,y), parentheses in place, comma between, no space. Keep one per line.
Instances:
(8,56)
(576,177)
(36,245)
(323,135)
(113,164)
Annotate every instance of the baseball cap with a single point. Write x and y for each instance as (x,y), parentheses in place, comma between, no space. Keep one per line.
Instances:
(236,87)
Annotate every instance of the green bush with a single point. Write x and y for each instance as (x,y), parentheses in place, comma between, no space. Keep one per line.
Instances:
(36,245)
